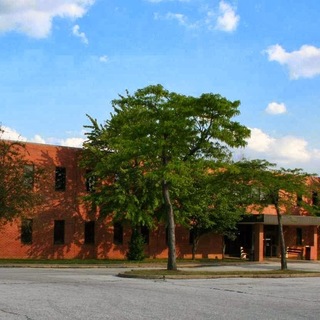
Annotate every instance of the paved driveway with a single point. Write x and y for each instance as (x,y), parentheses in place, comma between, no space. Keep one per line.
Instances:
(32,293)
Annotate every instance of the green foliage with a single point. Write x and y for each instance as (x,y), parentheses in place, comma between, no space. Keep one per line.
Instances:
(17,175)
(277,187)
(136,246)
(149,149)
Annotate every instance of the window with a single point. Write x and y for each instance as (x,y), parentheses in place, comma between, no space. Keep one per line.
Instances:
(60,184)
(145,234)
(26,231)
(58,233)
(90,181)
(262,195)
(315,198)
(299,237)
(191,236)
(28,175)
(89,232)
(117,233)
(299,200)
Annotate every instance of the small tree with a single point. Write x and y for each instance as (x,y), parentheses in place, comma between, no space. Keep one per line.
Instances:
(136,246)
(17,176)
(211,203)
(276,187)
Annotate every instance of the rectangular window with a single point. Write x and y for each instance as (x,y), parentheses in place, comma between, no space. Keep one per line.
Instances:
(58,233)
(191,236)
(145,234)
(117,233)
(315,198)
(60,182)
(89,232)
(90,181)
(26,231)
(299,237)
(28,175)
(260,195)
(299,200)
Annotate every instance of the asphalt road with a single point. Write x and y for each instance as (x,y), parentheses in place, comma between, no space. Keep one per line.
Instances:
(33,293)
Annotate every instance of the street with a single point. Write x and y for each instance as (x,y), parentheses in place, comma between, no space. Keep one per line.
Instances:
(97,293)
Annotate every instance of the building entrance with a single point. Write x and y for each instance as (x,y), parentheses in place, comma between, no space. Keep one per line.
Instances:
(243,239)
(271,241)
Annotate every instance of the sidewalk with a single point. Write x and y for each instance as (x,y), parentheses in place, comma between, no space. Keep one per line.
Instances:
(219,266)
(267,265)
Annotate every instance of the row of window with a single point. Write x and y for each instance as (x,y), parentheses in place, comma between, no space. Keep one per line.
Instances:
(60,178)
(60,184)
(89,232)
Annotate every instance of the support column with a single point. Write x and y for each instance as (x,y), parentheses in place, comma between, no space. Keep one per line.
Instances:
(314,248)
(258,242)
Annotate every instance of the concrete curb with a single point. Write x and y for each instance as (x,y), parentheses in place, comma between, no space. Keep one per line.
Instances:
(218,276)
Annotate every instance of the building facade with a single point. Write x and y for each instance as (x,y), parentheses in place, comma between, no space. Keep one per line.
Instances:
(63,227)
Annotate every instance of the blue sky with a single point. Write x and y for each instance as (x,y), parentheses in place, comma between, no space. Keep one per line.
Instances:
(63,59)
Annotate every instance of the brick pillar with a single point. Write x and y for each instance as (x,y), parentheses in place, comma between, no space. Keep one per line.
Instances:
(314,248)
(258,242)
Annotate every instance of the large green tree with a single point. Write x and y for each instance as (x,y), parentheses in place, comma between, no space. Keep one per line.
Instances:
(17,193)
(150,147)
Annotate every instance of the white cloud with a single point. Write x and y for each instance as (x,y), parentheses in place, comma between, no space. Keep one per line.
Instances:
(73,142)
(76,32)
(158,1)
(34,17)
(38,139)
(287,151)
(303,63)
(227,20)
(224,19)
(12,134)
(104,59)
(259,141)
(276,108)
(179,17)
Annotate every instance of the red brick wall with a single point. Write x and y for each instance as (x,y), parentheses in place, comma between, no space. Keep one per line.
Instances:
(66,205)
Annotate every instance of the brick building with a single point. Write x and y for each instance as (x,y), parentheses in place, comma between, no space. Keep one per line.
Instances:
(62,227)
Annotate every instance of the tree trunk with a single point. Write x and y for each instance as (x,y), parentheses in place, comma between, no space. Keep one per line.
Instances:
(172,263)
(283,251)
(195,243)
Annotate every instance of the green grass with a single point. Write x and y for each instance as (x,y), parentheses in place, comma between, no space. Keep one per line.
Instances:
(60,261)
(162,273)
(112,261)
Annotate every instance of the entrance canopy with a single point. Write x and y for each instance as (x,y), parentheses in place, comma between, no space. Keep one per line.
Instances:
(288,220)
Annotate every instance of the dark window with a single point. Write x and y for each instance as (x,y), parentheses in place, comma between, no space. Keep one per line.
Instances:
(58,233)
(90,181)
(89,232)
(299,200)
(191,236)
(60,179)
(299,236)
(26,231)
(145,234)
(117,233)
(28,174)
(315,198)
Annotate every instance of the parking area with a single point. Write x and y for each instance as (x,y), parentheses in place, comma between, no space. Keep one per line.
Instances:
(97,293)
